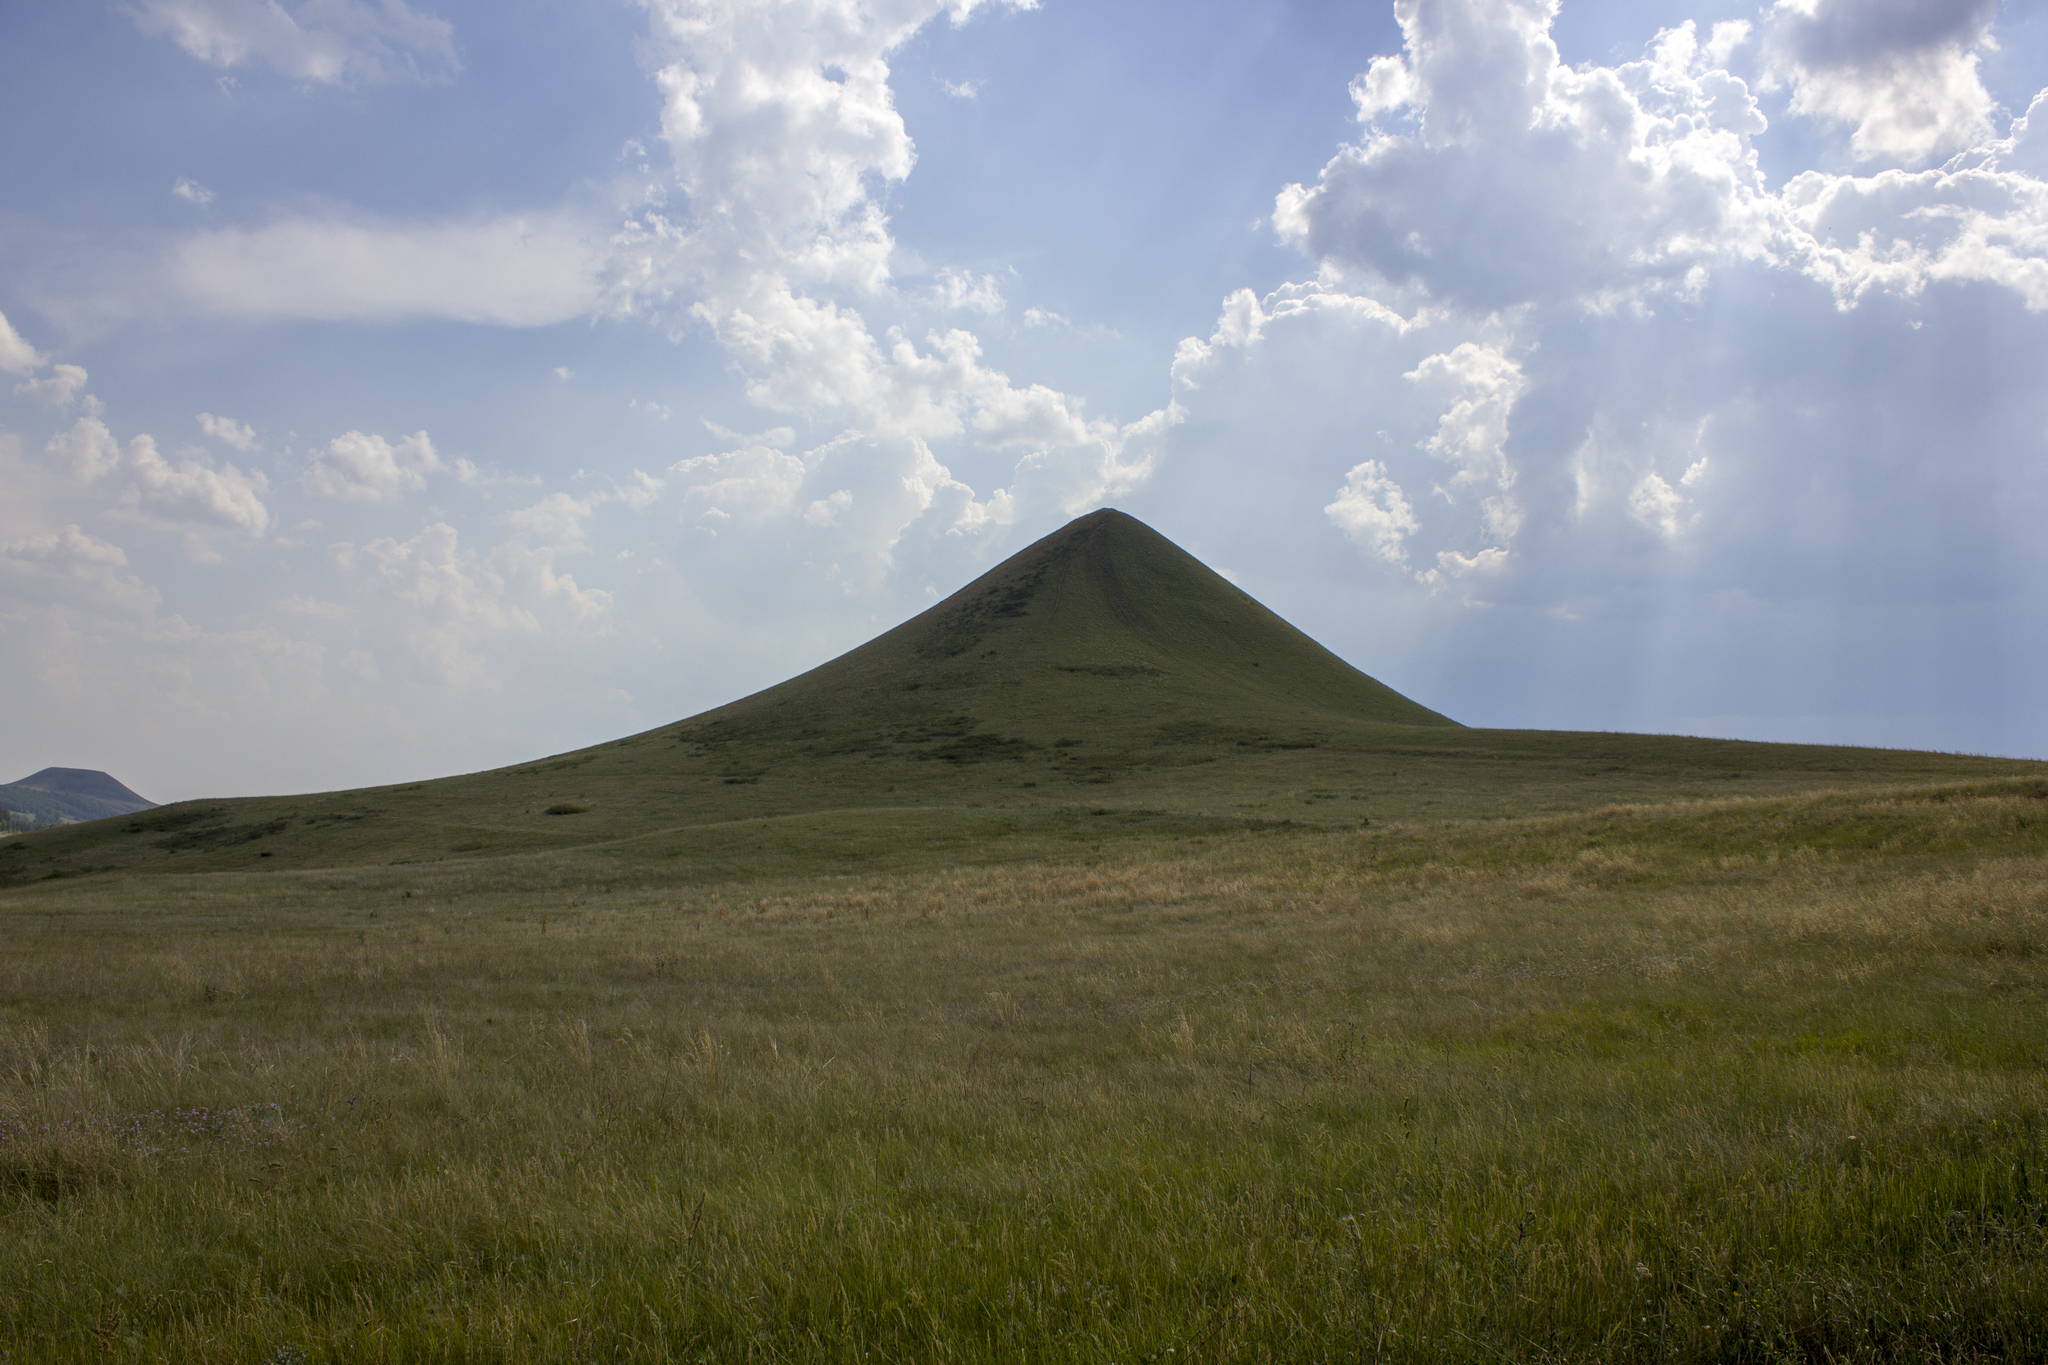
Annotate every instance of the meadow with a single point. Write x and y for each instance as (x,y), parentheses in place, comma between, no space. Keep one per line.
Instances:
(1747,1077)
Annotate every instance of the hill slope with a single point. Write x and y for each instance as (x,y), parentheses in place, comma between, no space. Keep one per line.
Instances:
(1106,632)
(1101,678)
(59,795)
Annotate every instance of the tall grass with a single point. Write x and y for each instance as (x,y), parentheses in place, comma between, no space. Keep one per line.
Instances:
(1748,1080)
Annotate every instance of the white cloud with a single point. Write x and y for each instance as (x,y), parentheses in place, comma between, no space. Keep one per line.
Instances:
(511,271)
(1558,259)
(1245,316)
(459,603)
(1609,181)
(193,494)
(64,383)
(192,192)
(334,42)
(777,118)
(59,387)
(781,127)
(472,475)
(1982,217)
(961,90)
(228,431)
(1656,503)
(755,482)
(1472,434)
(1903,72)
(1241,323)
(190,494)
(72,567)
(642,492)
(16,355)
(368,468)
(1451,566)
(89,448)
(1618,186)
(1372,510)
(960,289)
(556,520)
(825,511)
(1727,37)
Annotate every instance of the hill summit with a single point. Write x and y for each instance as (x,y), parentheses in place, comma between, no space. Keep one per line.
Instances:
(1104,631)
(58,796)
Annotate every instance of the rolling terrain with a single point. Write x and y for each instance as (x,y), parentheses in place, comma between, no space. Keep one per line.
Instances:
(1100,675)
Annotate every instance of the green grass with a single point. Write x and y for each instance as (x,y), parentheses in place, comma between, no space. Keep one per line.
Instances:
(1753,1079)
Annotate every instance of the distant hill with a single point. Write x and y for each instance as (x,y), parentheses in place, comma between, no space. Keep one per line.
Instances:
(61,796)
(1101,675)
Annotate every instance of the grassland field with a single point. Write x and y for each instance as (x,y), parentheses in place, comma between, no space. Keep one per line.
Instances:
(1093,968)
(1752,1077)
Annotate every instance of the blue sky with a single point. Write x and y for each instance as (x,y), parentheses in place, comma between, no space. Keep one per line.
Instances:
(391,389)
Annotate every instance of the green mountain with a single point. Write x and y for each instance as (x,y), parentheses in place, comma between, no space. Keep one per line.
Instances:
(58,796)
(1103,634)
(1100,679)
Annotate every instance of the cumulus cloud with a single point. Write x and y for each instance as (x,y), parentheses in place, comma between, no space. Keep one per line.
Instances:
(1903,72)
(1619,186)
(781,126)
(16,355)
(753,482)
(190,493)
(1556,260)
(556,520)
(1483,385)
(777,118)
(1471,388)
(367,468)
(961,289)
(459,604)
(73,568)
(511,271)
(333,42)
(1982,217)
(1609,180)
(825,511)
(58,388)
(1658,505)
(228,431)
(1373,510)
(192,192)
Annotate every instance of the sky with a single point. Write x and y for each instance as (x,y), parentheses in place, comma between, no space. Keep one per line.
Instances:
(395,388)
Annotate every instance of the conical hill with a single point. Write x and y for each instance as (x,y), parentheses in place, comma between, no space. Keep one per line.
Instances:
(1104,631)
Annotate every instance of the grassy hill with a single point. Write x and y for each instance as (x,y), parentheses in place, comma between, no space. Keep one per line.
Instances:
(1101,678)
(63,795)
